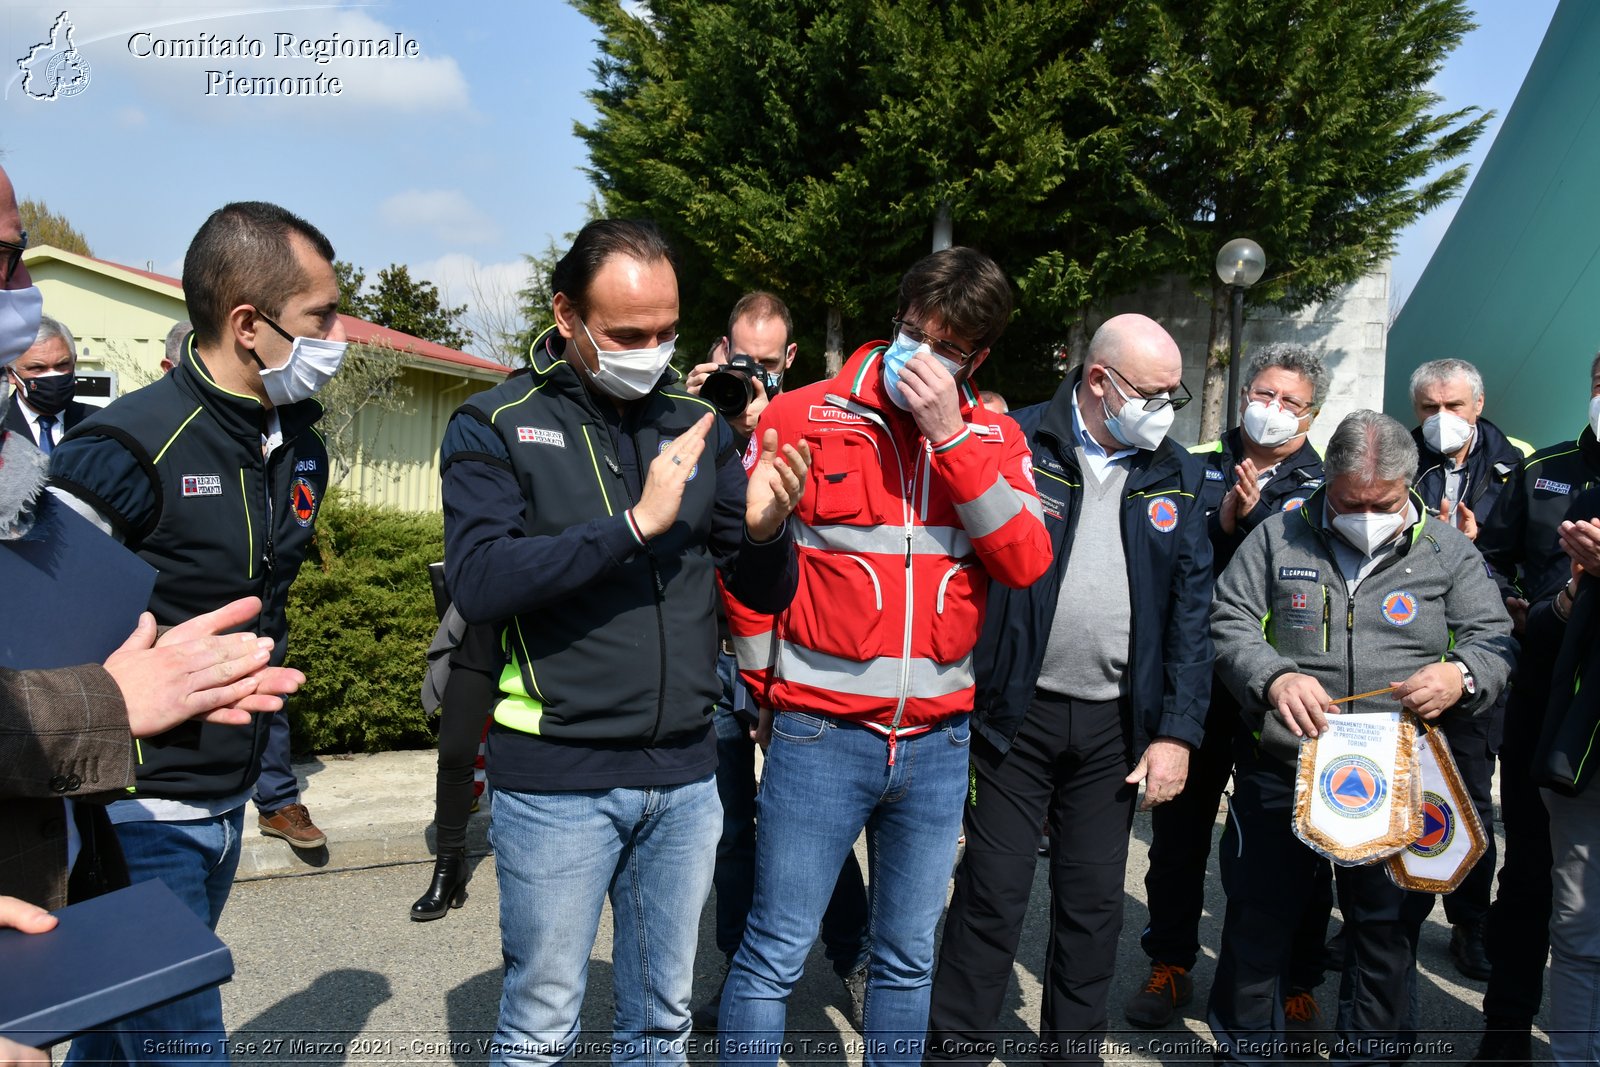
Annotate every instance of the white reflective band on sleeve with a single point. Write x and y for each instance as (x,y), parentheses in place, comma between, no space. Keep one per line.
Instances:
(754,653)
(879,678)
(996,506)
(889,540)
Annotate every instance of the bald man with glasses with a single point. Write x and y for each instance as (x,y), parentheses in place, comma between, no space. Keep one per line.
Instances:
(1090,681)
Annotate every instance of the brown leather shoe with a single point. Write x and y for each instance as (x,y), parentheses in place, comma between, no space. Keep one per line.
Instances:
(294,825)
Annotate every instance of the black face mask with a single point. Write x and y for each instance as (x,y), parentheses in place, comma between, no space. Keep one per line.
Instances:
(50,394)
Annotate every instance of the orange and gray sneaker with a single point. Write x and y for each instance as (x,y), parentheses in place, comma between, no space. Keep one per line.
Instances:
(293,824)
(1167,989)
(1302,1024)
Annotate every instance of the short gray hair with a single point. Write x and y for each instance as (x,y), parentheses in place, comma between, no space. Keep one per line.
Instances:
(1439,371)
(1594,368)
(1297,359)
(1372,447)
(49,328)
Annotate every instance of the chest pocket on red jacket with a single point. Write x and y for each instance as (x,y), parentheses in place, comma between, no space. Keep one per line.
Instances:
(842,461)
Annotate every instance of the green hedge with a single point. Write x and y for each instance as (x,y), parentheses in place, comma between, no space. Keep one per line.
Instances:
(360,619)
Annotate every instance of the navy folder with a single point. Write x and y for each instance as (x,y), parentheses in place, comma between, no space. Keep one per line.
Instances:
(72,593)
(108,957)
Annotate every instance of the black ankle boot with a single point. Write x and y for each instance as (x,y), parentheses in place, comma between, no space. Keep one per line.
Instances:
(448,889)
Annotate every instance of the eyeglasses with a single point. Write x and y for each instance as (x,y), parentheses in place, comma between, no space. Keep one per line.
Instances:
(1151,403)
(13,254)
(947,349)
(1292,404)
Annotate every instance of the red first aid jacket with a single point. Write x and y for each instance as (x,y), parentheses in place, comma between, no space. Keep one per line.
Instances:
(898,538)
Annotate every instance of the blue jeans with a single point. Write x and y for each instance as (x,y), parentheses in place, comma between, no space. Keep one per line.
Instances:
(197,860)
(824,782)
(844,925)
(558,856)
(277,787)
(1575,927)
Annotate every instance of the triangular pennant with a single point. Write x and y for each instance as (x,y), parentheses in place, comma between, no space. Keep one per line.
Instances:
(1452,838)
(1357,790)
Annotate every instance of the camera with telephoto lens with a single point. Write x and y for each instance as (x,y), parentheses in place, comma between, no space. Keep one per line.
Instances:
(731,387)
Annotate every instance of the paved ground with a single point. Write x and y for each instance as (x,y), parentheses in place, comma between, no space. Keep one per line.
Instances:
(331,970)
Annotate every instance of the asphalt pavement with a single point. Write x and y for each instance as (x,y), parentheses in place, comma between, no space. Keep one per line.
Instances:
(330,970)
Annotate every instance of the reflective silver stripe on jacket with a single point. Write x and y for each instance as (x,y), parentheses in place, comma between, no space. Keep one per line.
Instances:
(949,541)
(996,506)
(879,678)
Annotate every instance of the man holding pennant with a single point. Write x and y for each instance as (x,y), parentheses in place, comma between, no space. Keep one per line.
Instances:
(1359,590)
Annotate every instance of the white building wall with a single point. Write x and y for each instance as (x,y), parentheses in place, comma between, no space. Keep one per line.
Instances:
(1350,330)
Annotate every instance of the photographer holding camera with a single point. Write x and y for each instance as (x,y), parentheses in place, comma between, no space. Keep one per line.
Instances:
(747,365)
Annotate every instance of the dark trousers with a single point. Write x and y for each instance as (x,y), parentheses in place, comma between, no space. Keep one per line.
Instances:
(1518,935)
(1180,845)
(1069,760)
(844,924)
(1469,745)
(1268,874)
(277,787)
(469,698)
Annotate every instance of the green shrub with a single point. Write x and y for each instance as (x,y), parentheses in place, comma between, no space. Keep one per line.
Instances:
(360,619)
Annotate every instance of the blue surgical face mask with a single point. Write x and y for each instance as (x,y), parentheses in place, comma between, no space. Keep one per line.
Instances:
(900,352)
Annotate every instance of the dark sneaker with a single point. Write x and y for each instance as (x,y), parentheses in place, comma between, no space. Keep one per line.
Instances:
(1513,1045)
(704,1018)
(1466,949)
(294,825)
(855,987)
(1168,989)
(1303,1025)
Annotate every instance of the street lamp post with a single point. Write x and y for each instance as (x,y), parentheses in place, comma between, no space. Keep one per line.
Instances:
(1240,265)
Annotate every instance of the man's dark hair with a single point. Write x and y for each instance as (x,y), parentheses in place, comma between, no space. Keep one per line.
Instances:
(759,306)
(964,288)
(242,255)
(597,242)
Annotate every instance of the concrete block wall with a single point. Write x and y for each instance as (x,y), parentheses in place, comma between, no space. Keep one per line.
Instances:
(1350,330)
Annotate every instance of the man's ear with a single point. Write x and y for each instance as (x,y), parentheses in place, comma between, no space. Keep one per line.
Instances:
(243,325)
(566,315)
(719,351)
(977,361)
(789,354)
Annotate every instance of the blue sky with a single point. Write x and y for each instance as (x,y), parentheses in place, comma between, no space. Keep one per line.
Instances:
(455,161)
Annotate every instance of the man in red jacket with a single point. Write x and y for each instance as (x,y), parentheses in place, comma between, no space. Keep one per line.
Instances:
(917,497)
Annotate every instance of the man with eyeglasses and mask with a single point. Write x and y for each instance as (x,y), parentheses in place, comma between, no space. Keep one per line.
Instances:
(919,504)
(1091,681)
(214,475)
(1358,590)
(45,377)
(589,508)
(1264,466)
(760,329)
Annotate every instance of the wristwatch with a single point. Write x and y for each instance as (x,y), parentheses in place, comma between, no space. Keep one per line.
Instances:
(1467,682)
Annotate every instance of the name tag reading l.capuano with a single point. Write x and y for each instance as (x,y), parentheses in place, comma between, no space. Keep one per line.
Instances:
(1452,838)
(1358,788)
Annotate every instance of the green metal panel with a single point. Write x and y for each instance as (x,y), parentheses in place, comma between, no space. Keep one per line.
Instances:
(1514,287)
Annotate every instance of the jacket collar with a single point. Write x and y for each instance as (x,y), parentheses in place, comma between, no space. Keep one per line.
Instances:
(1232,446)
(859,384)
(242,415)
(1311,512)
(1491,448)
(550,366)
(1057,433)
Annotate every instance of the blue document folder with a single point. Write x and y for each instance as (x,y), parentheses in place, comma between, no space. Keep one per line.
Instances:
(72,594)
(108,957)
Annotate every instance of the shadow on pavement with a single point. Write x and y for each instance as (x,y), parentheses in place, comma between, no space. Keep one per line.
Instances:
(321,1022)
